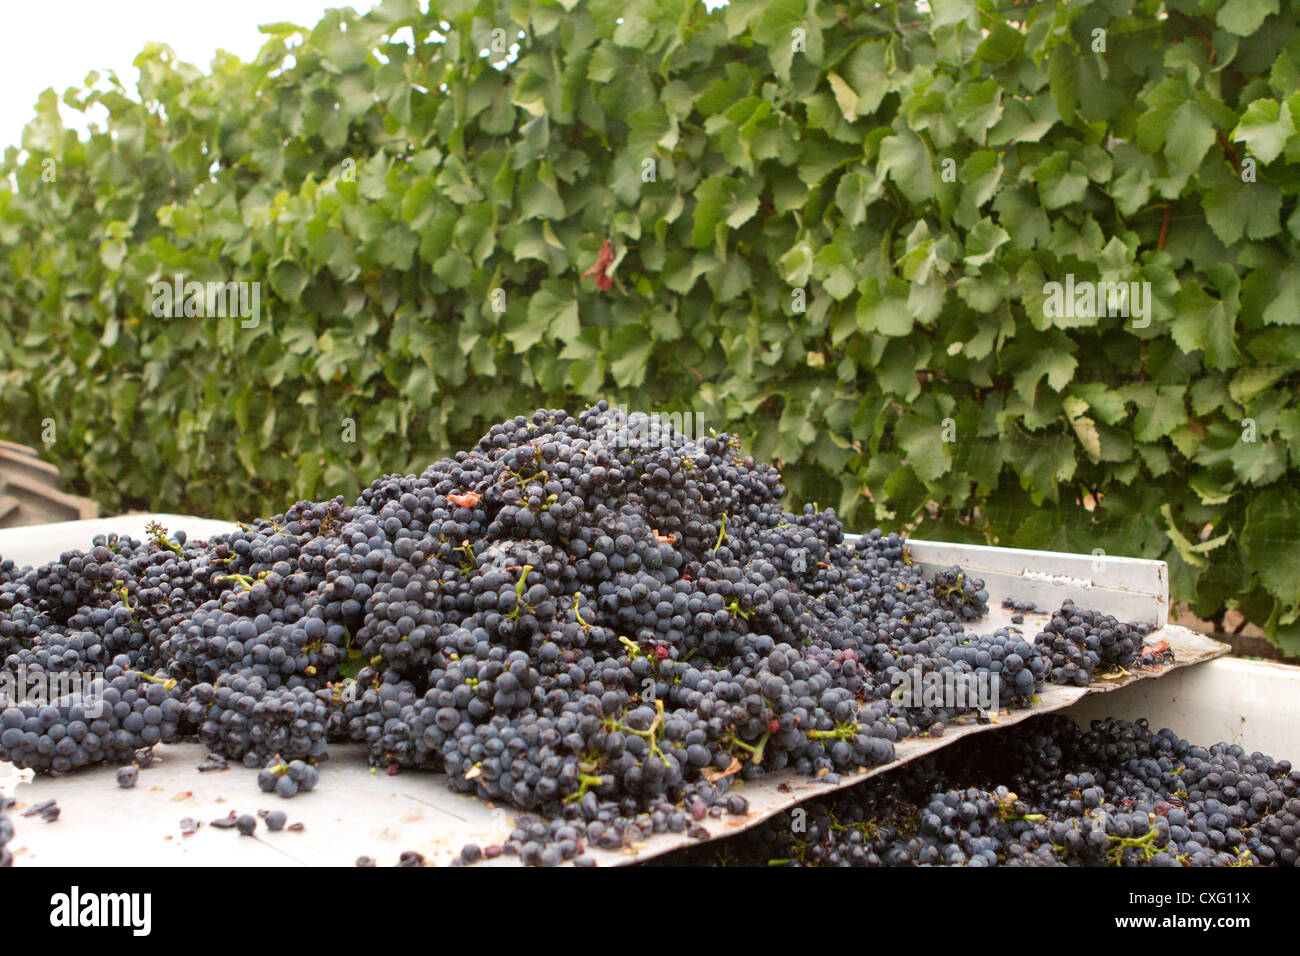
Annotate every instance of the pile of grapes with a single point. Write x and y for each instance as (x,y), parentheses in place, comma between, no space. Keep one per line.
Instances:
(592,618)
(1044,793)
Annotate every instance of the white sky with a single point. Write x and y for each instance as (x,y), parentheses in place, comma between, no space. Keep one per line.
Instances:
(55,43)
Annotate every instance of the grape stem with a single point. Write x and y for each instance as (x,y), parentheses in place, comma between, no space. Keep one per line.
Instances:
(846,731)
(651,734)
(586,781)
(755,750)
(722,533)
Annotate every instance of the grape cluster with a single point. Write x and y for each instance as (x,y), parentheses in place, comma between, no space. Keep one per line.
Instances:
(591,617)
(117,715)
(964,595)
(1046,793)
(244,720)
(20,626)
(287,779)
(1079,642)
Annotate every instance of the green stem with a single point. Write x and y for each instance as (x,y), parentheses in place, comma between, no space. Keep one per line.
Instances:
(241,579)
(587,781)
(167,682)
(845,732)
(755,751)
(651,736)
(578,614)
(722,533)
(126,601)
(158,535)
(735,608)
(1144,844)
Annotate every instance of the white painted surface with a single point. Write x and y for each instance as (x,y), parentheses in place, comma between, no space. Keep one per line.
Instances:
(1132,589)
(1252,703)
(351,813)
(38,544)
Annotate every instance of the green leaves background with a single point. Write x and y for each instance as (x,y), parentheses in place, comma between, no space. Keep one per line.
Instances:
(383,174)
